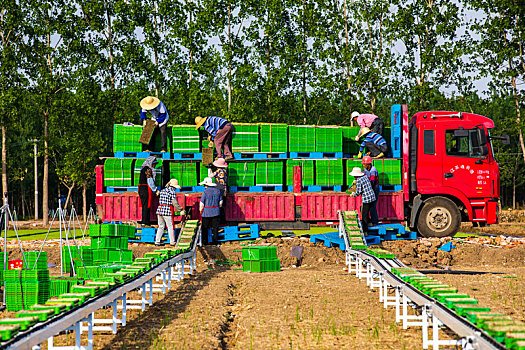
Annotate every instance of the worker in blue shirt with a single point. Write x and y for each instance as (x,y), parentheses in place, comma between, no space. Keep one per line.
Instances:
(374,143)
(363,188)
(220,132)
(210,209)
(159,114)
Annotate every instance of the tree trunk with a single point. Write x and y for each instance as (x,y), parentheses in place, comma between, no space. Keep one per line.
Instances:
(84,202)
(229,61)
(45,180)
(4,162)
(69,190)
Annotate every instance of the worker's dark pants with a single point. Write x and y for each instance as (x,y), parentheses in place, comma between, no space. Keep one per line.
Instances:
(223,141)
(163,139)
(365,212)
(374,149)
(222,216)
(145,210)
(377,126)
(373,209)
(213,223)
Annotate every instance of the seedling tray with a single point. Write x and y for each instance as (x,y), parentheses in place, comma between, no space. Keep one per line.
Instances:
(7,331)
(81,296)
(24,322)
(462,309)
(73,301)
(43,315)
(450,302)
(56,308)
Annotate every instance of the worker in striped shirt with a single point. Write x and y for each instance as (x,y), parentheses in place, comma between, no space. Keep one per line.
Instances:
(374,144)
(220,132)
(363,188)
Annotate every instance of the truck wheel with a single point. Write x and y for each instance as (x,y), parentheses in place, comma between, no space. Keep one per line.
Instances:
(440,217)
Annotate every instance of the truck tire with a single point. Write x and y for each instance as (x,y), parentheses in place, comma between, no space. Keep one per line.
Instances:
(439,217)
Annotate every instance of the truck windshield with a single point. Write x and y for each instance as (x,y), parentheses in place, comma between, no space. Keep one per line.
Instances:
(466,145)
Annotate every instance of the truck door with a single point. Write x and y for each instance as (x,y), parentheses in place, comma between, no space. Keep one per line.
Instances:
(465,165)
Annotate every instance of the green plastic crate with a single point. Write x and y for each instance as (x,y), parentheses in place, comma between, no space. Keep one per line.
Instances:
(259,253)
(185,172)
(157,171)
(185,139)
(329,139)
(42,315)
(23,322)
(350,146)
(269,173)
(245,138)
(301,138)
(329,172)
(307,171)
(7,331)
(389,171)
(126,138)
(241,174)
(273,138)
(118,172)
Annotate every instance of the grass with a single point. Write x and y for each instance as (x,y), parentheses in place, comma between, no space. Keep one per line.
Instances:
(28,235)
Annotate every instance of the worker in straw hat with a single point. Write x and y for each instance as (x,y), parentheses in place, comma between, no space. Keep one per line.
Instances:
(209,207)
(168,208)
(373,175)
(363,188)
(374,143)
(159,114)
(371,121)
(220,132)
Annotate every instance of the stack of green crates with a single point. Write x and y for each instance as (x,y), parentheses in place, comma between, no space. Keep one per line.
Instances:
(185,172)
(269,173)
(260,259)
(118,172)
(350,145)
(274,138)
(110,242)
(2,266)
(241,174)
(70,253)
(350,165)
(329,139)
(301,138)
(126,138)
(185,139)
(203,172)
(35,260)
(307,167)
(389,171)
(25,288)
(329,172)
(245,138)
(158,172)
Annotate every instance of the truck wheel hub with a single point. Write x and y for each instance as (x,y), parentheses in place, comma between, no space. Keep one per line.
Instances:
(439,218)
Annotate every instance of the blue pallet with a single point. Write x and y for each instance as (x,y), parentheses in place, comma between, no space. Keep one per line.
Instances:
(187,156)
(147,235)
(329,239)
(373,240)
(236,233)
(390,188)
(160,155)
(191,189)
(259,155)
(317,188)
(121,189)
(316,155)
(260,188)
(391,232)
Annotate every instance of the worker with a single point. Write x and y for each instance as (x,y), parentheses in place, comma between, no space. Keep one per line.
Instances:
(167,210)
(159,114)
(371,121)
(373,175)
(147,187)
(374,143)
(363,188)
(220,132)
(219,172)
(209,207)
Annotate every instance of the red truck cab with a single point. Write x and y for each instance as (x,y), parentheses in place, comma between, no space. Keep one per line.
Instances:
(450,174)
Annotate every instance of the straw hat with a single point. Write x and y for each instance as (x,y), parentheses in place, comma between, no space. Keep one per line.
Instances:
(220,163)
(207,182)
(367,160)
(356,172)
(149,102)
(173,183)
(362,132)
(354,115)
(199,121)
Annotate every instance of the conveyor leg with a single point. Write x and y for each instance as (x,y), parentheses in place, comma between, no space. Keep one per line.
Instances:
(124,299)
(424,327)
(150,292)
(143,306)
(398,304)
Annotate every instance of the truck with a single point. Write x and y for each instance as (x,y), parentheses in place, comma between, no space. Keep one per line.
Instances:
(449,176)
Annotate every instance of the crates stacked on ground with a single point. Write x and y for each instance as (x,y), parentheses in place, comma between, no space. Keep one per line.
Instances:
(158,172)
(110,243)
(245,138)
(260,259)
(301,138)
(389,171)
(329,172)
(126,138)
(118,172)
(25,288)
(3,256)
(329,139)
(269,173)
(274,138)
(307,171)
(185,139)
(241,174)
(350,145)
(185,172)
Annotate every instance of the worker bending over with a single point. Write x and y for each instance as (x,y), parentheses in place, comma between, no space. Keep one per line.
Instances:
(220,132)
(374,143)
(363,188)
(209,207)
(167,210)
(373,175)
(371,121)
(159,114)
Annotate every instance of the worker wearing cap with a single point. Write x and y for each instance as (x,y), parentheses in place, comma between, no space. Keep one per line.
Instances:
(209,207)
(220,132)
(167,210)
(159,114)
(373,175)
(371,121)
(374,143)
(147,188)
(363,188)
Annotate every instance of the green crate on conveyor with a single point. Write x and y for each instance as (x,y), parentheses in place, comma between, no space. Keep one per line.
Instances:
(245,138)
(499,332)
(479,316)
(157,172)
(451,301)
(301,138)
(381,253)
(57,308)
(185,139)
(185,172)
(118,172)
(92,290)
(329,172)
(58,286)
(359,246)
(63,304)
(389,171)
(328,139)
(259,253)
(23,322)
(514,338)
(80,296)
(462,309)
(42,315)
(442,296)
(104,286)
(307,171)
(117,276)
(241,174)
(273,138)
(126,138)
(71,301)
(350,145)
(8,331)
(86,272)
(269,173)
